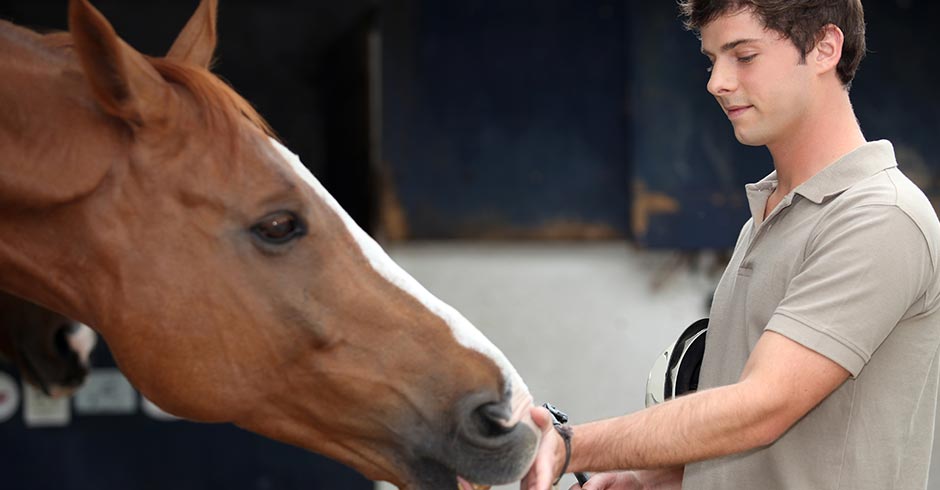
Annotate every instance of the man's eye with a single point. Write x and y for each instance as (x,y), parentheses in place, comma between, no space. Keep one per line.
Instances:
(746,59)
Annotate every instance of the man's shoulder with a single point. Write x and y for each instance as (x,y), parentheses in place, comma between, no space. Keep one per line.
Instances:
(893,188)
(890,187)
(891,191)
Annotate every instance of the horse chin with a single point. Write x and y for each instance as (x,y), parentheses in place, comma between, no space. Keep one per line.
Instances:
(463,484)
(433,476)
(430,475)
(468,466)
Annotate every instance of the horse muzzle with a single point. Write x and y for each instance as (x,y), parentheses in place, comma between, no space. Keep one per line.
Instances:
(493,443)
(497,442)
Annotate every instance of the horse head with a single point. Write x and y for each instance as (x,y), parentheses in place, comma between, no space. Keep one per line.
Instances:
(49,350)
(227,282)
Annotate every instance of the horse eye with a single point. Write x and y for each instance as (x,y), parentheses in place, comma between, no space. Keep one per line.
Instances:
(278,228)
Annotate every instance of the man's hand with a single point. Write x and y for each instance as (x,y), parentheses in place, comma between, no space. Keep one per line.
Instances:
(661,479)
(550,456)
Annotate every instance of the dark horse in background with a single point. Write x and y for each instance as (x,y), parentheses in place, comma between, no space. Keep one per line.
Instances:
(50,351)
(145,198)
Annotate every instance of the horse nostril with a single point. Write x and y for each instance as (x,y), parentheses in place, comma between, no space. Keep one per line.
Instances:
(491,419)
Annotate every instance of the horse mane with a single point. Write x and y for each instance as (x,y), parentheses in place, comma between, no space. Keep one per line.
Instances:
(219,101)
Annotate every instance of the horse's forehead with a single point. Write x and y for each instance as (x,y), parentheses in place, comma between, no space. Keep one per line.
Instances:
(463,331)
(265,163)
(243,173)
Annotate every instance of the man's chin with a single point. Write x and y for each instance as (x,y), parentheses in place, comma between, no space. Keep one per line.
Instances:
(749,139)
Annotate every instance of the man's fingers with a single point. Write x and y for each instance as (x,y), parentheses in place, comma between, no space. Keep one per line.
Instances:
(541,474)
(539,477)
(531,478)
(544,475)
(542,418)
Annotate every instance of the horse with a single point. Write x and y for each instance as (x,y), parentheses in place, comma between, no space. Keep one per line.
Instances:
(50,351)
(142,196)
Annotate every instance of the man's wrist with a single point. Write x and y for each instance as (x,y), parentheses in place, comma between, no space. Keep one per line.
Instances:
(563,450)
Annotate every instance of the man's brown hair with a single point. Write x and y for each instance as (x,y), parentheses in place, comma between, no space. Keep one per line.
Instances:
(800,21)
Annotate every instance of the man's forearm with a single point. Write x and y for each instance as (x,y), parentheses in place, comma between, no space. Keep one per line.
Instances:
(695,427)
(781,382)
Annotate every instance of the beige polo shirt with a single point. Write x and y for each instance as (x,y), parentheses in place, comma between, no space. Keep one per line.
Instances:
(846,265)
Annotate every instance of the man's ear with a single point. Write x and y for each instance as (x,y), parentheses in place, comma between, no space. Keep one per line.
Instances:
(828,51)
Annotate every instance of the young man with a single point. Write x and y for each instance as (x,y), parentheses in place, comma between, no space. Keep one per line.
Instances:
(821,363)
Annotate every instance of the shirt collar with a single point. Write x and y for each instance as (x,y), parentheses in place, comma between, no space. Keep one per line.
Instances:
(853,167)
(857,165)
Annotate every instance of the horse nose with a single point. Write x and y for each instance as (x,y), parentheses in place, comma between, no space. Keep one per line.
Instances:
(494,445)
(486,420)
(490,420)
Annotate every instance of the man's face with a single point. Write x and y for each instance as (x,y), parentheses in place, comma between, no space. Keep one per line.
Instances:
(757,77)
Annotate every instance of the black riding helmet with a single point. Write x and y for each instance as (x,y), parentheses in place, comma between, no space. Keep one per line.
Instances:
(676,371)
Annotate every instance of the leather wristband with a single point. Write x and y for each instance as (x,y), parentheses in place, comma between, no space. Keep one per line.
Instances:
(565,431)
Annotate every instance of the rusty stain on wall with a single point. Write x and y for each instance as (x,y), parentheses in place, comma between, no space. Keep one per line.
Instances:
(646,204)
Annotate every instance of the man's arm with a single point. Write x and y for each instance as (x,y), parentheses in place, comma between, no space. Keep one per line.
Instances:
(781,382)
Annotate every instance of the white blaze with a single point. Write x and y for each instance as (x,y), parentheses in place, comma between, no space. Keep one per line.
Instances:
(465,333)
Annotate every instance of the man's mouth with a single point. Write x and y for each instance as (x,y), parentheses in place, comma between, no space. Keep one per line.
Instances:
(735,111)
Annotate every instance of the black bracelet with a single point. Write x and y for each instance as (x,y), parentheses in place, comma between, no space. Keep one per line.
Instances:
(565,431)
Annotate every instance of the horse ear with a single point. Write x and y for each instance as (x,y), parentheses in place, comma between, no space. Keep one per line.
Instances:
(196,42)
(125,84)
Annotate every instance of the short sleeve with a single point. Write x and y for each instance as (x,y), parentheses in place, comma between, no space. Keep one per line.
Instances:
(862,273)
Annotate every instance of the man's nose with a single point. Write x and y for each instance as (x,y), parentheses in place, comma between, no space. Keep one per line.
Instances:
(722,80)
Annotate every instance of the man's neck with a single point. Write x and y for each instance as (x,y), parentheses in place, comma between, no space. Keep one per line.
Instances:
(828,133)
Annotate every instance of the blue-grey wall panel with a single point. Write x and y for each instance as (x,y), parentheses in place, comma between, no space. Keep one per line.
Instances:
(508,117)
(895,92)
(688,170)
(512,115)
